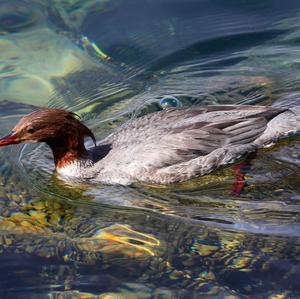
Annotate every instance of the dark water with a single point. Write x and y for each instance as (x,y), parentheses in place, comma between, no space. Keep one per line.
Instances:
(113,60)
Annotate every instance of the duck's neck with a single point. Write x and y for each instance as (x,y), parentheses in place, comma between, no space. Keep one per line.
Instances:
(70,155)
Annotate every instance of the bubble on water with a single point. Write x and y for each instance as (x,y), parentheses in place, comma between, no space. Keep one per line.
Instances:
(169,101)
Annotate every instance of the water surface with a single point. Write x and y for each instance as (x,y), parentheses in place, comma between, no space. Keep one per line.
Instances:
(110,61)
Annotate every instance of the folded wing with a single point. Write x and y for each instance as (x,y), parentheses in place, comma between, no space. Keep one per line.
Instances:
(175,136)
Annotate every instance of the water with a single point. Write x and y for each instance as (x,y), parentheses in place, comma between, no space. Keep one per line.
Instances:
(110,61)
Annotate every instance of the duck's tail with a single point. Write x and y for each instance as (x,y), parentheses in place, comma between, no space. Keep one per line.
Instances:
(292,103)
(285,124)
(289,101)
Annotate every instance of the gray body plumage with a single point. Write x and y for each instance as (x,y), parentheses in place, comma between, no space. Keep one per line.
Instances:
(175,145)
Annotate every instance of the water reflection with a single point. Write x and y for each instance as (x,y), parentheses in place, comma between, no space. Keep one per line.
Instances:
(18,16)
(36,58)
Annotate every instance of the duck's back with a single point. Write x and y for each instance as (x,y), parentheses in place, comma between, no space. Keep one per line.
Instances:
(178,144)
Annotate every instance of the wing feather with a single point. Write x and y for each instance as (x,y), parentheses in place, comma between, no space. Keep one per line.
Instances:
(177,135)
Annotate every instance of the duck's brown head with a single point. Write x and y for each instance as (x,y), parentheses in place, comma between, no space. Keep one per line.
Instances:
(60,129)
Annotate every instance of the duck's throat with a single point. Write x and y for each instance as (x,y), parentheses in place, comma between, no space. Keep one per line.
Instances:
(67,153)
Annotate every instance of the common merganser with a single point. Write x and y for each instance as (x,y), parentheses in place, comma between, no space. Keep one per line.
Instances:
(164,147)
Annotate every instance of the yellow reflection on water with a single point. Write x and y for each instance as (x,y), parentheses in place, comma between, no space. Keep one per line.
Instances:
(50,220)
(120,238)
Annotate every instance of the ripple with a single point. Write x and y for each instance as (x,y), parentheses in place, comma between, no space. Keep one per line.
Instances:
(17,16)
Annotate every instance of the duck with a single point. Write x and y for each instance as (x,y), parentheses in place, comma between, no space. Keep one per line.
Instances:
(164,147)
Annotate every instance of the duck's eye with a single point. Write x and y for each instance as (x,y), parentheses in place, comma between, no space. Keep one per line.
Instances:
(30,130)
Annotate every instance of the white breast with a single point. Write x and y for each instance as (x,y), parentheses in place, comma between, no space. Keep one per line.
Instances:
(77,169)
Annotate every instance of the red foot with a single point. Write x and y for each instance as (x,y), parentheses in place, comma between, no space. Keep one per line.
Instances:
(240,170)
(240,181)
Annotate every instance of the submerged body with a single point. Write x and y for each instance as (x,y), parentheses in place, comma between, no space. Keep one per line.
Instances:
(165,147)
